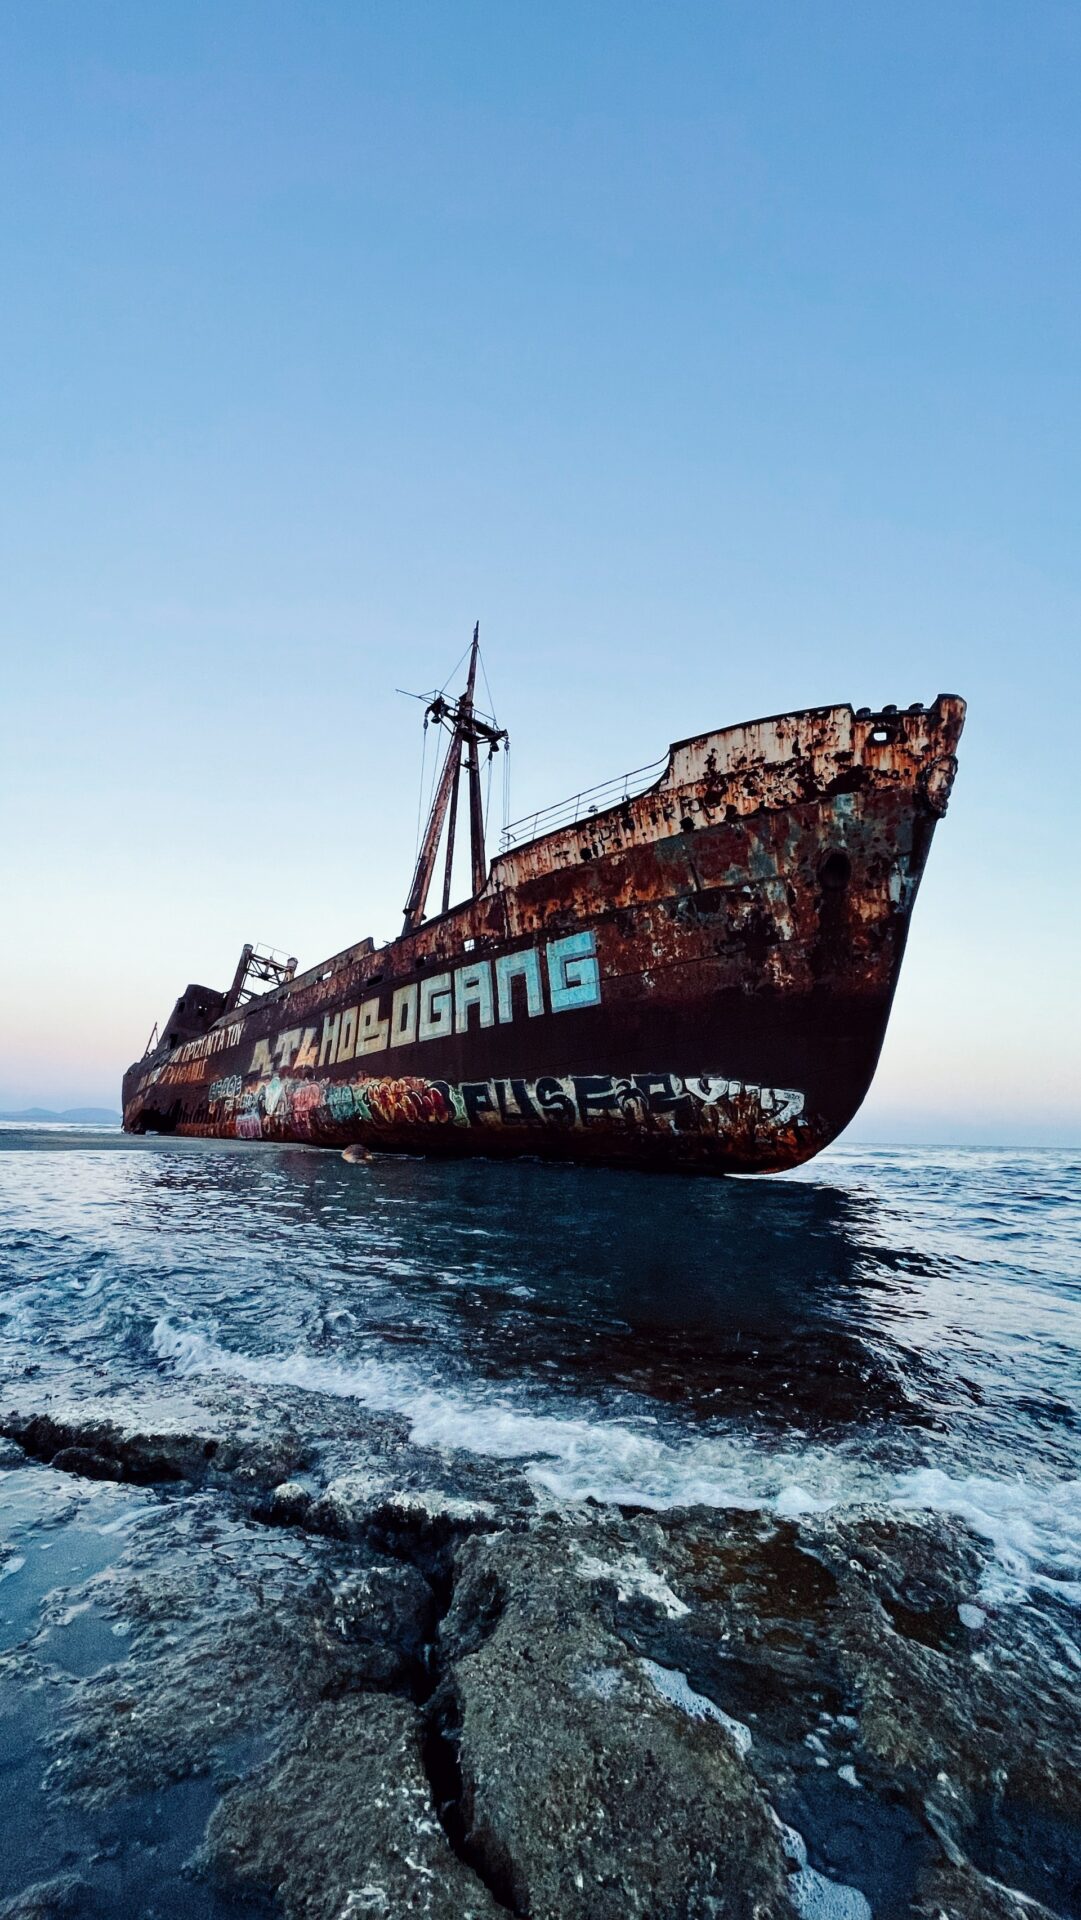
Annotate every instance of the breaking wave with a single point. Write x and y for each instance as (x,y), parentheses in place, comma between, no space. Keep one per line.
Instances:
(1033,1532)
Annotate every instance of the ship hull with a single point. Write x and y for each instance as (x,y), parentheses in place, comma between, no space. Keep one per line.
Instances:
(698,978)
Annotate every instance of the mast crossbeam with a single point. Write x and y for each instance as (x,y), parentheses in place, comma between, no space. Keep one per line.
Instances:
(468,731)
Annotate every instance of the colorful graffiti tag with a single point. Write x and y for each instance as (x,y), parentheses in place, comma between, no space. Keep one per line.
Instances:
(226,1089)
(325,1110)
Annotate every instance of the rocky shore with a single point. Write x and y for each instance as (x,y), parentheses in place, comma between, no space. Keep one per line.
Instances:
(377,1681)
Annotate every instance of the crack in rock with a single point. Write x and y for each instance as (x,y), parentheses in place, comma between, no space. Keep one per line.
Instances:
(444,1706)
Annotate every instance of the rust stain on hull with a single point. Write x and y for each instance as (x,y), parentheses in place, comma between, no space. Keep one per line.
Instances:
(696,977)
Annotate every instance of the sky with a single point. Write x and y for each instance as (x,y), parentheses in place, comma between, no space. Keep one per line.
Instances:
(721,359)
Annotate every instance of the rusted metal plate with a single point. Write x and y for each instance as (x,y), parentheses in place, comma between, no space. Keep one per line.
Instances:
(697,977)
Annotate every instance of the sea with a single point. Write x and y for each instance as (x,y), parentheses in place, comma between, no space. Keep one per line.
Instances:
(890,1323)
(897,1324)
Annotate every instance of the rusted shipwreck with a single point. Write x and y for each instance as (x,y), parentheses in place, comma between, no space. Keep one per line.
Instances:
(690,968)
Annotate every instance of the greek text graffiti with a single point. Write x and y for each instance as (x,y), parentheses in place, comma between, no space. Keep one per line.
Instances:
(213,1042)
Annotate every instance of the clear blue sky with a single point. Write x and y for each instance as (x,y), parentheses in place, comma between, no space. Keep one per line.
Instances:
(721,358)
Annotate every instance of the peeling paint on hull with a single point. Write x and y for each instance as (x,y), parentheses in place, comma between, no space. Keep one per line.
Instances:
(698,977)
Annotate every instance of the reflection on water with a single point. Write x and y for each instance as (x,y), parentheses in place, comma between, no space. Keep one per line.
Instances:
(877,1294)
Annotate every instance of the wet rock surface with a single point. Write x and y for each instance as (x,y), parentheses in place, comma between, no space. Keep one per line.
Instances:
(342,1822)
(48,1900)
(350,1677)
(584,1790)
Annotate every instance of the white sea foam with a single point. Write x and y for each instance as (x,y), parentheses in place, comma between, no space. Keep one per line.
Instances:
(675,1687)
(570,1457)
(792,1501)
(632,1578)
(1034,1532)
(813,1896)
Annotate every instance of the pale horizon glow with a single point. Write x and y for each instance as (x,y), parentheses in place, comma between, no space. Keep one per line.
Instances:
(722,361)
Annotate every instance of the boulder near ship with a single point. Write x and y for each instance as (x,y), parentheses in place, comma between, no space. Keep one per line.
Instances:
(691,967)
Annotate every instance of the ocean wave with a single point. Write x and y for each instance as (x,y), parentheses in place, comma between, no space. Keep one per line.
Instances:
(1033,1532)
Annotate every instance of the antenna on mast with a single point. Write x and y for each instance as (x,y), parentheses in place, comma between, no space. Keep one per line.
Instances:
(468,730)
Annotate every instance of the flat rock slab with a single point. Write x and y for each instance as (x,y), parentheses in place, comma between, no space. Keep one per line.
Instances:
(588,1790)
(397,1688)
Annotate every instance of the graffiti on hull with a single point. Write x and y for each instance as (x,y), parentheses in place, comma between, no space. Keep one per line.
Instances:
(482,993)
(328,1111)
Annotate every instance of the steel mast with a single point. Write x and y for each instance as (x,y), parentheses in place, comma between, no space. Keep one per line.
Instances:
(468,730)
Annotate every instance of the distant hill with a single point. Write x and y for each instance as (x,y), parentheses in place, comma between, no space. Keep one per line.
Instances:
(75,1116)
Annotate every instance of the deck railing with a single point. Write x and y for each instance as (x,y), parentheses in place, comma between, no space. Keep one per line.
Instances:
(591,800)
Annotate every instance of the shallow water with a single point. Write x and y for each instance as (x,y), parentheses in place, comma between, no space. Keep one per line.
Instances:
(902,1324)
